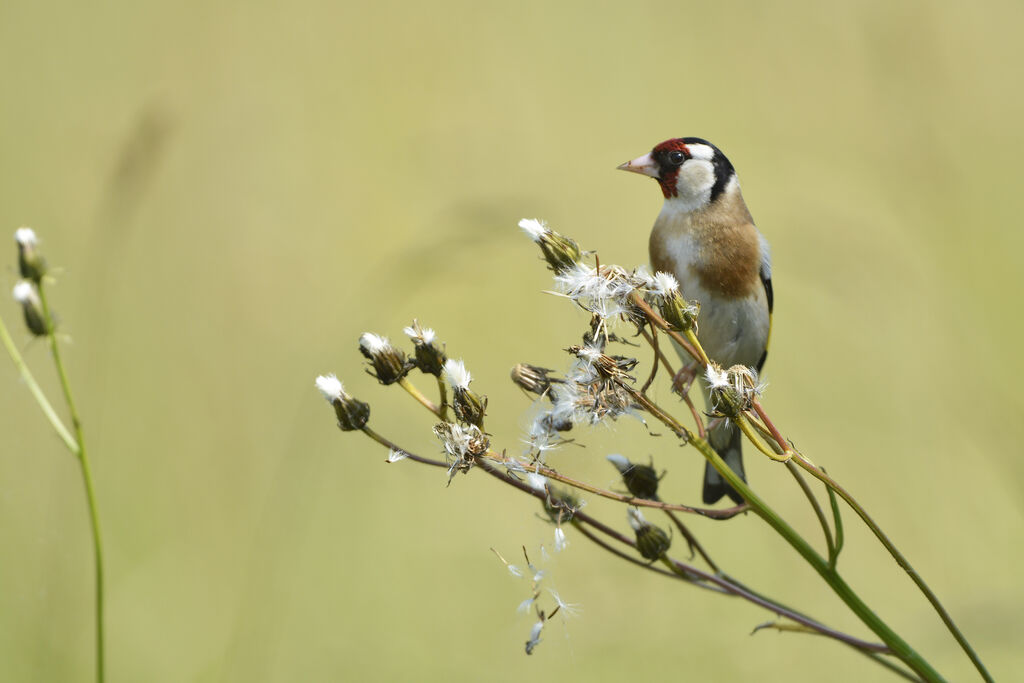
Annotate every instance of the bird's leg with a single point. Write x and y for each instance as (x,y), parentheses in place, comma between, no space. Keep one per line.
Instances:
(684,379)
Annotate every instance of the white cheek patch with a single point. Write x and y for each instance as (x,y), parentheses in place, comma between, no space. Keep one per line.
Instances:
(696,178)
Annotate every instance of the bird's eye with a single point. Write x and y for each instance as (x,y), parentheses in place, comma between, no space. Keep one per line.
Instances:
(676,157)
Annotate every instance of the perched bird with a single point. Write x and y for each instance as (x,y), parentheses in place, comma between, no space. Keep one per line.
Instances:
(706,238)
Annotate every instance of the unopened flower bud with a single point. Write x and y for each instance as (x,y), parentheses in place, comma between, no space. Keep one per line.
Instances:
(430,358)
(651,541)
(389,364)
(561,252)
(640,480)
(469,406)
(31,263)
(25,293)
(352,414)
(531,378)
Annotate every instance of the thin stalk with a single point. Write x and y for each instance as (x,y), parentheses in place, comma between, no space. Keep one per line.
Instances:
(90,494)
(418,395)
(711,513)
(442,391)
(703,579)
(744,425)
(899,647)
(838,521)
(37,393)
(829,542)
(900,560)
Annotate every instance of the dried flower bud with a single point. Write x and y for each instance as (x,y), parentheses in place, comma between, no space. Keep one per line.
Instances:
(469,406)
(31,263)
(430,358)
(25,293)
(640,480)
(732,390)
(389,364)
(609,367)
(352,414)
(561,252)
(664,293)
(561,505)
(532,378)
(651,542)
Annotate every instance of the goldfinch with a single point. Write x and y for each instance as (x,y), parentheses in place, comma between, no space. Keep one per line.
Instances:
(706,238)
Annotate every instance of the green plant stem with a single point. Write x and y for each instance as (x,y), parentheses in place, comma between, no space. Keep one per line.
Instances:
(90,494)
(443,392)
(693,347)
(900,560)
(829,542)
(37,393)
(418,395)
(900,648)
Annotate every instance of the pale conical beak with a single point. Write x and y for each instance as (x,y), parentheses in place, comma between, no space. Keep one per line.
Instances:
(644,165)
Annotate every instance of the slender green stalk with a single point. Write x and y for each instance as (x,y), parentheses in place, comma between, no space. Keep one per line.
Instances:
(418,395)
(90,494)
(37,393)
(829,543)
(693,347)
(899,647)
(900,560)
(443,392)
(838,521)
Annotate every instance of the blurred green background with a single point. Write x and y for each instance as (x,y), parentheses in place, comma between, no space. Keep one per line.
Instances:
(235,191)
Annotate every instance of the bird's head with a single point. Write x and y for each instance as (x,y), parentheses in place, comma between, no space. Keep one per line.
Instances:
(691,171)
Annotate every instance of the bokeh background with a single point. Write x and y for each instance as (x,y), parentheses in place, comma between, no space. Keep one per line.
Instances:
(235,191)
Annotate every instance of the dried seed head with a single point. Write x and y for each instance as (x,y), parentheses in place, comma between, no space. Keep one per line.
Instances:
(641,480)
(430,357)
(561,252)
(352,414)
(531,378)
(561,505)
(462,445)
(469,406)
(31,264)
(732,390)
(26,294)
(389,364)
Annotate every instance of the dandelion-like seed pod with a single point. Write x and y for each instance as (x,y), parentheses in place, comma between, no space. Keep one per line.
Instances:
(352,413)
(389,364)
(430,358)
(531,378)
(26,294)
(640,480)
(31,263)
(561,252)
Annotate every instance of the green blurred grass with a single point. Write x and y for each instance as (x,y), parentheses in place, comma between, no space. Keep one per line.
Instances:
(236,191)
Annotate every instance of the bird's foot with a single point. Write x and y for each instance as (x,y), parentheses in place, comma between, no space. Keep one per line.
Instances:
(684,379)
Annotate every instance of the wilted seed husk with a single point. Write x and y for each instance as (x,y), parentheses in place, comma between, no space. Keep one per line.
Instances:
(531,378)
(352,413)
(469,406)
(561,505)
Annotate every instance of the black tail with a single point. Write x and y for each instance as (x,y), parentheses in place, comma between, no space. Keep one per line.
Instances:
(732,452)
